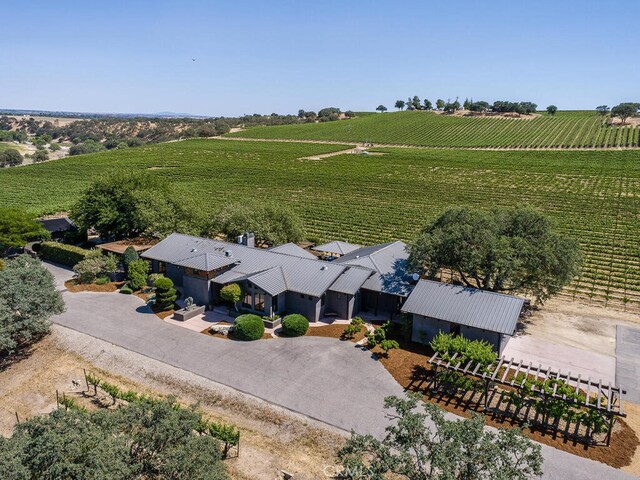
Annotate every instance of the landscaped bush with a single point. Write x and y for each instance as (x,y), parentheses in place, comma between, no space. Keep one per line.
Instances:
(478,351)
(102,281)
(94,265)
(130,255)
(295,325)
(165,294)
(231,293)
(126,290)
(64,254)
(353,328)
(248,327)
(378,335)
(137,273)
(151,279)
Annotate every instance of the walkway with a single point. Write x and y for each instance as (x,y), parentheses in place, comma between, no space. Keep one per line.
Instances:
(628,361)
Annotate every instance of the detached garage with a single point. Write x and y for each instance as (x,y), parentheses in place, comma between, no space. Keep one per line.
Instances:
(475,314)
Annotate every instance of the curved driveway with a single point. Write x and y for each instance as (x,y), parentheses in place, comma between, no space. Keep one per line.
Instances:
(331,381)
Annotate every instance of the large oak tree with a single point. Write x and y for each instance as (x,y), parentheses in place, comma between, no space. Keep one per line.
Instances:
(501,250)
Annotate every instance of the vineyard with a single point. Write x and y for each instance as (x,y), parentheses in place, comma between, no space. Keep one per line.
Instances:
(575,129)
(592,196)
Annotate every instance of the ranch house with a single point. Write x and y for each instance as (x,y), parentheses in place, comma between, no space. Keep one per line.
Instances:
(287,278)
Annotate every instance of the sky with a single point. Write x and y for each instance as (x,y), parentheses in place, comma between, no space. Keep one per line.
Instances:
(260,56)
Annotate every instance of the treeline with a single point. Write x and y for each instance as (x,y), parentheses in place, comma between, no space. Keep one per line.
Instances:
(499,106)
(96,134)
(623,111)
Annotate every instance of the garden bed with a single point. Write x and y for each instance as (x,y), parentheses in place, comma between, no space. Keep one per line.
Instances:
(408,365)
(207,331)
(335,331)
(74,287)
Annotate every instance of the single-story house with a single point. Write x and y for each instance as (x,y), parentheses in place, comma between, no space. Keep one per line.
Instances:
(475,314)
(286,278)
(58,226)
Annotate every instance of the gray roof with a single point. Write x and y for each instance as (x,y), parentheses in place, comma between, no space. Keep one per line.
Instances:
(341,248)
(490,311)
(206,261)
(271,281)
(57,224)
(293,249)
(388,261)
(302,275)
(351,280)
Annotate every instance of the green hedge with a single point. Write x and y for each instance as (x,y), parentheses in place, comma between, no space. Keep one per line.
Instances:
(295,325)
(63,254)
(248,327)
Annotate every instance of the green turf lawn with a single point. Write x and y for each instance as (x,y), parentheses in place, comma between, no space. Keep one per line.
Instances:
(420,128)
(593,196)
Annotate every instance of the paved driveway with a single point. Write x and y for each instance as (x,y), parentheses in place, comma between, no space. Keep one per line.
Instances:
(331,381)
(628,361)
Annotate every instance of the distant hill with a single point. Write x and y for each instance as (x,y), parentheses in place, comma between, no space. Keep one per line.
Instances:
(568,129)
(64,114)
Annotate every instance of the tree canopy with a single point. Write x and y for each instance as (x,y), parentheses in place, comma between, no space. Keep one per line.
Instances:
(501,250)
(427,446)
(271,224)
(399,104)
(18,227)
(552,109)
(10,157)
(625,110)
(28,298)
(381,108)
(125,205)
(143,440)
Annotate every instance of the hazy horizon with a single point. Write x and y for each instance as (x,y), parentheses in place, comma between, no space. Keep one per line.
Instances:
(222,59)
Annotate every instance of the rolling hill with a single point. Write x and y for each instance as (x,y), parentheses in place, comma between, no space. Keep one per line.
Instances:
(575,129)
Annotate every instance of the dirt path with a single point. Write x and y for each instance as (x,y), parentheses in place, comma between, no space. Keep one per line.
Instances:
(272,439)
(397,145)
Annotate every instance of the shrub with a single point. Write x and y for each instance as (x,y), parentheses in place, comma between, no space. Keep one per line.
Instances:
(129,255)
(94,265)
(231,293)
(248,327)
(387,345)
(137,274)
(126,289)
(353,328)
(478,351)
(165,293)
(68,255)
(378,335)
(102,280)
(151,279)
(295,325)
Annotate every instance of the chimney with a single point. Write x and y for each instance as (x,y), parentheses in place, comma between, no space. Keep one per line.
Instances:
(240,240)
(249,239)
(228,253)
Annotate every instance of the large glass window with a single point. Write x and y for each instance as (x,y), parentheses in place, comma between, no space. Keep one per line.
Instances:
(258,301)
(246,301)
(274,303)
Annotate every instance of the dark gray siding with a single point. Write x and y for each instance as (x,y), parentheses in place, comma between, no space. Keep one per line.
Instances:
(197,288)
(304,305)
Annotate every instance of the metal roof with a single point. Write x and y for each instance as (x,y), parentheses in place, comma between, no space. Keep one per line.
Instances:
(293,249)
(389,261)
(341,248)
(206,261)
(490,311)
(351,280)
(271,281)
(302,275)
(57,224)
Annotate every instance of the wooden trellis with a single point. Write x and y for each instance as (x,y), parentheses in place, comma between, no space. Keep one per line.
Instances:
(602,398)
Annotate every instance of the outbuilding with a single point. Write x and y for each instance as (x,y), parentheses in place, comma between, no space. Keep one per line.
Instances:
(470,312)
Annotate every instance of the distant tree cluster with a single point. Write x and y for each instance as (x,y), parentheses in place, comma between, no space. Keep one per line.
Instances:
(413,103)
(10,157)
(623,111)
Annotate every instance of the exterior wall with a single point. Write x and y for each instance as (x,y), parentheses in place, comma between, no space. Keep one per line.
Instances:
(425,328)
(309,307)
(380,304)
(175,273)
(340,303)
(197,288)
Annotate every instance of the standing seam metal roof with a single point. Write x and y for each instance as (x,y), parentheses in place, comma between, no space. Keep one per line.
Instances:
(302,275)
(472,307)
(293,249)
(351,280)
(336,246)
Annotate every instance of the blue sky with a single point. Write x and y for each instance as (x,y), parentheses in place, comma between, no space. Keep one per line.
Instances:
(261,56)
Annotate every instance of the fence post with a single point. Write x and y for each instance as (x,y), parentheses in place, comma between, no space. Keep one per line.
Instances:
(17,418)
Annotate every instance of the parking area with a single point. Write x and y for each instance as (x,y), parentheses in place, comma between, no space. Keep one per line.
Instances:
(628,361)
(563,357)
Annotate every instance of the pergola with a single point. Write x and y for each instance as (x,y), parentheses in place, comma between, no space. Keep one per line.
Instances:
(605,399)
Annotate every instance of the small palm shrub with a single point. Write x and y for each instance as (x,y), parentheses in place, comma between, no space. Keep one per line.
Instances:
(295,325)
(248,327)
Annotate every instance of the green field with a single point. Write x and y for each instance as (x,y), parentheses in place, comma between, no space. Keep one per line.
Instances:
(579,129)
(593,196)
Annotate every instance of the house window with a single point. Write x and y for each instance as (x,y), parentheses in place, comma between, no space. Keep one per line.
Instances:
(274,303)
(162,267)
(246,301)
(258,301)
